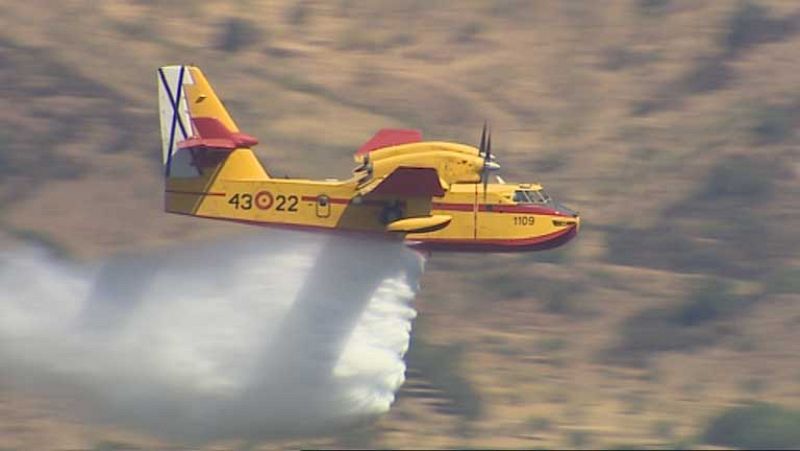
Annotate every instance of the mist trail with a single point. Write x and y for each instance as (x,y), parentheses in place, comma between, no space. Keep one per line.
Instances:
(279,333)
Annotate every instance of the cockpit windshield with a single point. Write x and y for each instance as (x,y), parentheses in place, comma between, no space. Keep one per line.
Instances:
(531,197)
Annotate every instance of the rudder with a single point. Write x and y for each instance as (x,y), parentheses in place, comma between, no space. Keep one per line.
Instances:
(201,143)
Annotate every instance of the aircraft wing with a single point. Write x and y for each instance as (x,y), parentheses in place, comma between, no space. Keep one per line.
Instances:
(411,186)
(405,182)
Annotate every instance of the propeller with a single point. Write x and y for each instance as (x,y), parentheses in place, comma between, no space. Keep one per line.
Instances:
(488,160)
(482,149)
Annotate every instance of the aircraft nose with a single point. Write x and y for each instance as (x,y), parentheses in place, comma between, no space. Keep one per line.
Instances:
(566,210)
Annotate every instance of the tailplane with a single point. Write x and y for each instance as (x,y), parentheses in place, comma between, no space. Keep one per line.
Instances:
(201,143)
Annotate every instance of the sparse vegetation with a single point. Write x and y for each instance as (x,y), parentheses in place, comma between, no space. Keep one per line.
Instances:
(664,429)
(750,25)
(753,386)
(115,446)
(706,233)
(679,327)
(619,58)
(707,74)
(299,13)
(358,38)
(506,285)
(363,436)
(559,256)
(552,161)
(627,447)
(550,76)
(559,296)
(509,9)
(40,239)
(740,177)
(634,403)
(660,247)
(550,345)
(710,300)
(652,7)
(755,426)
(775,123)
(536,424)
(442,365)
(784,280)
(468,32)
(578,439)
(237,34)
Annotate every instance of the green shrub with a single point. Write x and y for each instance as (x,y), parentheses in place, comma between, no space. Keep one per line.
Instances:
(755,426)
(707,74)
(627,447)
(363,436)
(236,34)
(578,439)
(468,32)
(711,300)
(518,10)
(538,424)
(783,281)
(740,177)
(680,327)
(652,7)
(441,365)
(750,25)
(507,286)
(110,445)
(664,429)
(663,246)
(775,124)
(551,345)
(558,296)
(753,385)
(718,243)
(559,255)
(41,239)
(298,13)
(6,160)
(552,161)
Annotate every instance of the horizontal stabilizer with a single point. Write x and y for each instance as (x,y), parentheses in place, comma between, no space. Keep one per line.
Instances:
(422,224)
(210,132)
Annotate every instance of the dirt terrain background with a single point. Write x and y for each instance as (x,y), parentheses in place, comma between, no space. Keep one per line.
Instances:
(672,125)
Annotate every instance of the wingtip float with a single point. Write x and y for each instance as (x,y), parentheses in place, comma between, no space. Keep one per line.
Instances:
(436,195)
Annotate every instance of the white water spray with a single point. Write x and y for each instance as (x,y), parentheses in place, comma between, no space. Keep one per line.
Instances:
(279,334)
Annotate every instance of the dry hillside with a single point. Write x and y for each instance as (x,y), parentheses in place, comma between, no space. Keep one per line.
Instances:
(672,125)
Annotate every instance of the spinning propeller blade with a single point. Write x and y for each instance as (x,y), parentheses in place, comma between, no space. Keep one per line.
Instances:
(485,150)
(482,148)
(487,158)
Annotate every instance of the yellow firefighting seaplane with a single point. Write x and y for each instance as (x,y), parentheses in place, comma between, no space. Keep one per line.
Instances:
(433,194)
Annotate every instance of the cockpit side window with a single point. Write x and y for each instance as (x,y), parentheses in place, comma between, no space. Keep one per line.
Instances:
(545,196)
(531,197)
(535,197)
(521,197)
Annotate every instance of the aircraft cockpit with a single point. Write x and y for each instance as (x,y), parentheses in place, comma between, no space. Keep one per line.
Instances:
(540,197)
(532,197)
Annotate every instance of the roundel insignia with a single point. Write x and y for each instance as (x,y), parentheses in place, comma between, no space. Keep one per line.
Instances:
(264,200)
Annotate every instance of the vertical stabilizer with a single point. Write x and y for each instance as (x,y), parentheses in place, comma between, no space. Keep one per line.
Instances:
(201,143)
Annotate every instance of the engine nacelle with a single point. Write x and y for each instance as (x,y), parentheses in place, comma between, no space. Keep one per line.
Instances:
(455,163)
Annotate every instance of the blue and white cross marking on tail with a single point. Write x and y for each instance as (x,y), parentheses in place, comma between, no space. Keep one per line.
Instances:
(174,111)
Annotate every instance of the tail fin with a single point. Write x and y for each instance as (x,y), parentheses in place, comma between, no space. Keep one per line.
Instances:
(200,141)
(193,117)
